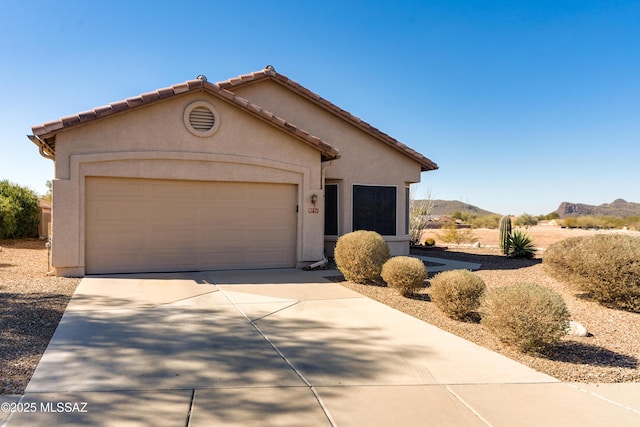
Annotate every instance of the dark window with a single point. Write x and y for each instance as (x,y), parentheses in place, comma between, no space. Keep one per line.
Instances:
(407,207)
(331,210)
(374,208)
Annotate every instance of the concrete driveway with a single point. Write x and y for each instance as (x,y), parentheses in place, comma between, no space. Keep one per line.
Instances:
(281,347)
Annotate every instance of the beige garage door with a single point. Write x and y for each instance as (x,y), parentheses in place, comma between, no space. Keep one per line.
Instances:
(143,225)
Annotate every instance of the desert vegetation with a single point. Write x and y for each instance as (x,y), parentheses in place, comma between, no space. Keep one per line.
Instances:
(360,255)
(404,274)
(530,317)
(605,267)
(457,293)
(602,222)
(19,212)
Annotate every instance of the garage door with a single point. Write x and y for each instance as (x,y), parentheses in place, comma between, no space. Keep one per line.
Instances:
(142,225)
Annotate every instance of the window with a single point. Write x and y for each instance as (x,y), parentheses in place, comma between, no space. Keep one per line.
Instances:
(407,209)
(374,208)
(331,209)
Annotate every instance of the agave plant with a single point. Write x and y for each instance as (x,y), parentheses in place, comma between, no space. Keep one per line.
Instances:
(520,245)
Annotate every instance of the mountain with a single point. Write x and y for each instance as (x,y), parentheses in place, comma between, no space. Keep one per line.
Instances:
(618,208)
(447,207)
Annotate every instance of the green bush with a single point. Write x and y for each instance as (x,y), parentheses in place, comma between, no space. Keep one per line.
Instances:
(405,274)
(359,255)
(457,292)
(429,241)
(526,316)
(520,245)
(606,266)
(19,211)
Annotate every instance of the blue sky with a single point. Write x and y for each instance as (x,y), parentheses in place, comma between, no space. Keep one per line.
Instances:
(523,104)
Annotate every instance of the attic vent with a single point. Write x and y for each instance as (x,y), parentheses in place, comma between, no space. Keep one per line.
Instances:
(201,118)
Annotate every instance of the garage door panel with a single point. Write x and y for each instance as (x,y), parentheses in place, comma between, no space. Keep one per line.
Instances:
(159,225)
(117,211)
(106,190)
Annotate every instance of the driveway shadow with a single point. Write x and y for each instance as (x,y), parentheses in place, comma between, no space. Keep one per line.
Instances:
(177,347)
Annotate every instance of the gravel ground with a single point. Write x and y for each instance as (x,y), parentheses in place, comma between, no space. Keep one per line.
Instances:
(31,305)
(610,354)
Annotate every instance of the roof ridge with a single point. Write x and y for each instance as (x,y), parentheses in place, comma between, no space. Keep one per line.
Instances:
(270,73)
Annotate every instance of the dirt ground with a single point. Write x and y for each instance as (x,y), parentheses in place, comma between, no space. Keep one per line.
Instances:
(543,235)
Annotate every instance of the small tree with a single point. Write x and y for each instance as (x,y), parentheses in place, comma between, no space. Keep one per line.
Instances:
(419,211)
(49,196)
(19,211)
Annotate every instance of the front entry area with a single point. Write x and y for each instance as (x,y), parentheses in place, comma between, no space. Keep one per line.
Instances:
(150,225)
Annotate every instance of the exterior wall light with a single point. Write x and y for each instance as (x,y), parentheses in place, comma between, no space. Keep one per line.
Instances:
(314,199)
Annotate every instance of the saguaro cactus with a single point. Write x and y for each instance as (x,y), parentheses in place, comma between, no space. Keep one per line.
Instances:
(505,233)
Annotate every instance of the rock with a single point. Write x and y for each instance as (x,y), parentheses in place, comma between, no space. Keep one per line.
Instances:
(577,329)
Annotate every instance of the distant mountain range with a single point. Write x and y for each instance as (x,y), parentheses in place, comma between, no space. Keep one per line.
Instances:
(448,207)
(618,208)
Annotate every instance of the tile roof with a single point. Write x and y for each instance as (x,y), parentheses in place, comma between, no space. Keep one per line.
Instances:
(46,132)
(270,73)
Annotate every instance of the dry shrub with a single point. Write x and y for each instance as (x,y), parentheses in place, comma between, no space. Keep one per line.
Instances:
(359,255)
(405,274)
(457,292)
(606,266)
(529,317)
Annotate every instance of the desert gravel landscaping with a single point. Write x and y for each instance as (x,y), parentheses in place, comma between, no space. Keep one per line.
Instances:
(32,303)
(611,352)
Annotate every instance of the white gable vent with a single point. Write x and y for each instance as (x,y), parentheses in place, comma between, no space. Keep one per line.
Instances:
(201,118)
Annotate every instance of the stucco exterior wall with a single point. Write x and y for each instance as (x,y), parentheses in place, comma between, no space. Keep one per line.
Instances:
(153,142)
(364,159)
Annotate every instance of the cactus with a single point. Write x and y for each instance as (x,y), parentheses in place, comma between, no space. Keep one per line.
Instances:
(505,233)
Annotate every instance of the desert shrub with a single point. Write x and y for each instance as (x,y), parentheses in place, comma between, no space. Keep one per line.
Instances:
(359,255)
(520,245)
(605,266)
(525,220)
(486,221)
(429,241)
(405,274)
(457,235)
(19,211)
(457,292)
(526,316)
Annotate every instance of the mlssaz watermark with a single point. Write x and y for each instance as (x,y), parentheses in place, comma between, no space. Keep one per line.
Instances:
(49,407)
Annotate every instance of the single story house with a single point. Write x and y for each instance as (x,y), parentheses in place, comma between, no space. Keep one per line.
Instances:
(252,172)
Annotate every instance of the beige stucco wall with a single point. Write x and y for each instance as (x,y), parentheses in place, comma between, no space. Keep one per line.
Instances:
(152,142)
(364,159)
